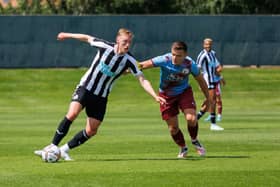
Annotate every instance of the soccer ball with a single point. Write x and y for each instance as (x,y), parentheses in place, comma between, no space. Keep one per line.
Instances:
(51,154)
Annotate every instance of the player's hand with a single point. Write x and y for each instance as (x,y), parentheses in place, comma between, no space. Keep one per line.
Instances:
(223,82)
(140,66)
(61,36)
(160,100)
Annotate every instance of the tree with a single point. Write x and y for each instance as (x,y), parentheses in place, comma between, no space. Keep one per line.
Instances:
(89,7)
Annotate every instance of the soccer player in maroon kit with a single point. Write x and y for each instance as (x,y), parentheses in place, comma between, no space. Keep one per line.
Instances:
(175,68)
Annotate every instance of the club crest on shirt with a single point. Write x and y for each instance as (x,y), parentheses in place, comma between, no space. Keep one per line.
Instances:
(185,71)
(104,68)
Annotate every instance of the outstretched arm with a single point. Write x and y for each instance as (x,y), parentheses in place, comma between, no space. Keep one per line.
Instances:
(142,65)
(81,37)
(149,89)
(146,64)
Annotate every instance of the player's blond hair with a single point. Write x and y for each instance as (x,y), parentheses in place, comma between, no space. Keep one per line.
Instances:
(208,40)
(125,31)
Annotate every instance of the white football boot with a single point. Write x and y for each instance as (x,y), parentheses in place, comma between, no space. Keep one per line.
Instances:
(215,127)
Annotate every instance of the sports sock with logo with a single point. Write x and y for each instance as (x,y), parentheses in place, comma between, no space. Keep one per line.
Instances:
(80,138)
(200,114)
(213,118)
(61,131)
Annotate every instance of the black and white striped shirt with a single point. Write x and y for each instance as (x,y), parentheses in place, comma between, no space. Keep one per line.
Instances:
(207,63)
(106,67)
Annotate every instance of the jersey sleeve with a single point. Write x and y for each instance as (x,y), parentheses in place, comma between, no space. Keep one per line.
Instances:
(200,58)
(133,67)
(161,60)
(194,69)
(96,42)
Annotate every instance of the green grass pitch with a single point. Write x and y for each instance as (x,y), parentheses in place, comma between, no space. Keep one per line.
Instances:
(133,146)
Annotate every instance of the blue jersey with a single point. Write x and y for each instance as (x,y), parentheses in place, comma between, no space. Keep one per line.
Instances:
(174,79)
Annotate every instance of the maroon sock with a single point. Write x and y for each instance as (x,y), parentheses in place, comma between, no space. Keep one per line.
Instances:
(193,130)
(179,139)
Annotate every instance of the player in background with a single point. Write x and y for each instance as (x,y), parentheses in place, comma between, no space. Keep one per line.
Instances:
(175,68)
(220,81)
(208,64)
(91,94)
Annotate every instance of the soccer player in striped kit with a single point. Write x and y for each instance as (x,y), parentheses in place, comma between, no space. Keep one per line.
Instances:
(110,62)
(208,63)
(175,69)
(219,81)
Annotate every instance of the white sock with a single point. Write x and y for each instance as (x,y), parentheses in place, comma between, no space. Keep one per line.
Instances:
(65,148)
(193,140)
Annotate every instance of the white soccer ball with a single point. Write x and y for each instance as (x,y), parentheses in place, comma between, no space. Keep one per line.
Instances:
(51,154)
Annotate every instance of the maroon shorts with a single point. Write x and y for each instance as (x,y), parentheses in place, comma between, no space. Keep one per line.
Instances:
(182,101)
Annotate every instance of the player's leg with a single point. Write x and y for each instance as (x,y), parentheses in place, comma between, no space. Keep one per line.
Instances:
(191,122)
(219,104)
(95,110)
(188,106)
(208,118)
(219,108)
(177,135)
(76,106)
(203,110)
(212,109)
(169,112)
(212,106)
(74,109)
(190,116)
(81,137)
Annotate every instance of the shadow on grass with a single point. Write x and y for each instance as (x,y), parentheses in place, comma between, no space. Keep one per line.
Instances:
(188,158)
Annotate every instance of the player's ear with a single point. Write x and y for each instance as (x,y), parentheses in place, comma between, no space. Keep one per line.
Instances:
(117,39)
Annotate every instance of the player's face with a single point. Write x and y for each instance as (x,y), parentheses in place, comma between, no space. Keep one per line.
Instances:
(207,45)
(124,42)
(178,56)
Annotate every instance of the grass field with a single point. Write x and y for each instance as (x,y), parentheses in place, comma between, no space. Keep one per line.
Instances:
(133,147)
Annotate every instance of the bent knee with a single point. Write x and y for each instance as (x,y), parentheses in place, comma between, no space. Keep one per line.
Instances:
(92,126)
(191,119)
(173,130)
(72,116)
(91,132)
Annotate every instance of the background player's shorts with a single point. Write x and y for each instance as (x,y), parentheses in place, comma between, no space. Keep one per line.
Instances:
(182,101)
(210,84)
(95,105)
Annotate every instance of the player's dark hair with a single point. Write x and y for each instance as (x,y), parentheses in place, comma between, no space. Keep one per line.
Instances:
(180,45)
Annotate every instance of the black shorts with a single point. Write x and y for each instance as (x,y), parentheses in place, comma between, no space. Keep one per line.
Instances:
(95,105)
(211,86)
